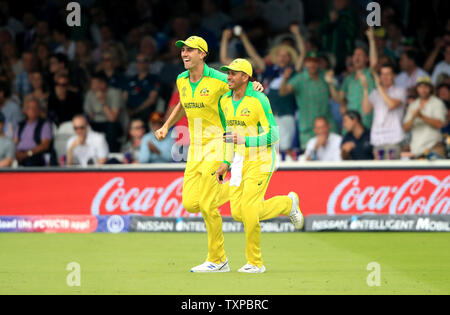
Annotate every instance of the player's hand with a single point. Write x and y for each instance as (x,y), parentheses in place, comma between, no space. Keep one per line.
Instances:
(237,139)
(161,133)
(221,172)
(257,86)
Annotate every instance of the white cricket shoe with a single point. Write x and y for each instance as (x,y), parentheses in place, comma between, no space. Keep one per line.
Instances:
(296,215)
(212,267)
(252,269)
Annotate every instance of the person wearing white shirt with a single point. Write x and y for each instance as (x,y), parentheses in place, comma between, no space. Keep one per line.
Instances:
(410,71)
(442,68)
(388,103)
(424,119)
(87,146)
(325,146)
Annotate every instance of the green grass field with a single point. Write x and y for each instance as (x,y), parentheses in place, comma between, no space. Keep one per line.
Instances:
(299,263)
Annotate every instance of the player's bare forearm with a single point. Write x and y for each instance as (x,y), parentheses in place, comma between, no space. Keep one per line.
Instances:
(175,116)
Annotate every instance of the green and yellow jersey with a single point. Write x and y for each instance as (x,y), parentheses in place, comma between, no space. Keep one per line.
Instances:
(251,117)
(200,101)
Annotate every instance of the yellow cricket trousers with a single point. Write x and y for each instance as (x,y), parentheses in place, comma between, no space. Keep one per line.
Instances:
(202,193)
(248,205)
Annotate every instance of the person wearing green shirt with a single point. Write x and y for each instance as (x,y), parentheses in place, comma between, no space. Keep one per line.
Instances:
(312,89)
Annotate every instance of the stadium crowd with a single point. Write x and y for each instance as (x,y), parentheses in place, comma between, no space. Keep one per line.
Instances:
(339,90)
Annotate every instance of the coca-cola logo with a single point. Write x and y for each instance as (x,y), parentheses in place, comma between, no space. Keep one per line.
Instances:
(421,195)
(114,198)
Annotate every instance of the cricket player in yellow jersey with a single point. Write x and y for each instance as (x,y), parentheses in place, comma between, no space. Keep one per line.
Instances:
(252,131)
(200,88)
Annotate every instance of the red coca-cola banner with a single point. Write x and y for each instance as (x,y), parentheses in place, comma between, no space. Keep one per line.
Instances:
(157,193)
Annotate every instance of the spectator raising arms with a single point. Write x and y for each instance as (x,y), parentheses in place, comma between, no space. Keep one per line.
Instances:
(388,104)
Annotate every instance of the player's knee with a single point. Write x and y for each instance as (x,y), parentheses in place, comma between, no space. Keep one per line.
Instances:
(191,205)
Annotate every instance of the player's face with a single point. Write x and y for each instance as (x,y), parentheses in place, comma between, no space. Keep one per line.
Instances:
(191,57)
(236,79)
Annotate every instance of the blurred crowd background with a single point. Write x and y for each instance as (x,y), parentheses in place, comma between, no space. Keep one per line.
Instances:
(339,90)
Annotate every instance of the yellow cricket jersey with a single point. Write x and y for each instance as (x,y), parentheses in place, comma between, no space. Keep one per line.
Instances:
(201,103)
(251,117)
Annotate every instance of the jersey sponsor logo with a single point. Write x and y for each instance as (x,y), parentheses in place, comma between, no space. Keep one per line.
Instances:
(204,92)
(234,122)
(245,112)
(194,105)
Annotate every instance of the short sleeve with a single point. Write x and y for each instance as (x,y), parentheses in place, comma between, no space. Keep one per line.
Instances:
(47,132)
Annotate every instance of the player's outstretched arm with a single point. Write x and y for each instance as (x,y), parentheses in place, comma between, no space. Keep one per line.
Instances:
(176,115)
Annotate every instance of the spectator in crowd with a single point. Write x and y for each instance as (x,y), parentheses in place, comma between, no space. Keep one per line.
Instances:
(356,143)
(249,17)
(410,70)
(43,53)
(10,109)
(27,38)
(22,82)
(395,37)
(338,32)
(442,68)
(77,77)
(152,150)
(282,13)
(424,119)
(352,92)
(43,32)
(7,147)
(109,66)
(213,19)
(387,102)
(149,48)
(103,104)
(64,44)
(40,91)
(63,104)
(132,148)
(87,147)
(83,58)
(11,60)
(142,91)
(325,146)
(33,137)
(312,92)
(443,93)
